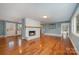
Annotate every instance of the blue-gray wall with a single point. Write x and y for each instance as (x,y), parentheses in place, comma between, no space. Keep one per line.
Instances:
(57,30)
(23,29)
(3,24)
(2,28)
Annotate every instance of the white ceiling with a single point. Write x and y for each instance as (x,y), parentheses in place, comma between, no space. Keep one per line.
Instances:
(56,12)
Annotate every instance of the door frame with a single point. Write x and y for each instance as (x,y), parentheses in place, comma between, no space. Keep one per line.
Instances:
(63,25)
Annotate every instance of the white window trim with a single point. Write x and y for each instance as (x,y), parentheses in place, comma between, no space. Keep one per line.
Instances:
(74,26)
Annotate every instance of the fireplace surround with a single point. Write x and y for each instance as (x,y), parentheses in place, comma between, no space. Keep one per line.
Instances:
(31,29)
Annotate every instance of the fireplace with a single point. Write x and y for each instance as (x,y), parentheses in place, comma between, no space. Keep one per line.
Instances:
(32,33)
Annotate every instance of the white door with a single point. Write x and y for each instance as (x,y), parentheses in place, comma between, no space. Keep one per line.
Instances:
(65,30)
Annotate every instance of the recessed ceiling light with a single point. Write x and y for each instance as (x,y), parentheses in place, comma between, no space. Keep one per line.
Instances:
(44,16)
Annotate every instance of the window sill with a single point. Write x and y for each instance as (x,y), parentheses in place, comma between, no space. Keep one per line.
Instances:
(76,34)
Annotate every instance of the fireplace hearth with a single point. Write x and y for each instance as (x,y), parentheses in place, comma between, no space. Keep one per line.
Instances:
(32,33)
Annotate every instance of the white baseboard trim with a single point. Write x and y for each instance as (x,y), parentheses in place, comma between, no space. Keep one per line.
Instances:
(74,46)
(53,34)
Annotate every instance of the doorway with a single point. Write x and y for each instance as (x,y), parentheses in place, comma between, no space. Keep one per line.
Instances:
(65,30)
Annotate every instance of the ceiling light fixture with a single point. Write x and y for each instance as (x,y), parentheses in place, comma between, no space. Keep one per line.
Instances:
(45,17)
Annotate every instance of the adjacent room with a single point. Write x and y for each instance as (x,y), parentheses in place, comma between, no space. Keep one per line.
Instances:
(39,28)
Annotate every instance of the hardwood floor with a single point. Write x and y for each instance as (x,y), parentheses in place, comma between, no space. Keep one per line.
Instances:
(45,45)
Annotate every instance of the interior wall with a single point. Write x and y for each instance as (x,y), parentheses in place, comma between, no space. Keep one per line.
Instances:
(8,28)
(23,28)
(53,31)
(2,28)
(73,37)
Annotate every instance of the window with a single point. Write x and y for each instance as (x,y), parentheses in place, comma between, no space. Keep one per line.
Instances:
(19,26)
(75,25)
(52,26)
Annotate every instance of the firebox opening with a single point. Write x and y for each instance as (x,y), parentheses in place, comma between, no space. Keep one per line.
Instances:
(32,33)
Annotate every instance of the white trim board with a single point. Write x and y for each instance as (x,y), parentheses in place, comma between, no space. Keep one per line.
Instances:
(53,34)
(74,46)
